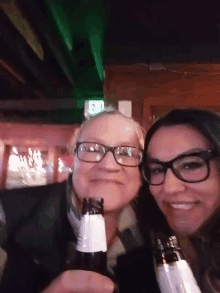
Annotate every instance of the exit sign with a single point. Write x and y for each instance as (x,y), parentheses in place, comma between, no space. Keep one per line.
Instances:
(93,107)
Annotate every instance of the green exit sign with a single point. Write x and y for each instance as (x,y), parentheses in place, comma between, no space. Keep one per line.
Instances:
(93,107)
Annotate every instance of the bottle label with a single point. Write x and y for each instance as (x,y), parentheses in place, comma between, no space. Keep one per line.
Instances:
(176,277)
(92,235)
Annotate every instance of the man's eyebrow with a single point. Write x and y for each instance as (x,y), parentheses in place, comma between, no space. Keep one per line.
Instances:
(188,152)
(100,141)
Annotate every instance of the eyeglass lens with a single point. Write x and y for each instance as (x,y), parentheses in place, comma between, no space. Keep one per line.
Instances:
(92,152)
(189,168)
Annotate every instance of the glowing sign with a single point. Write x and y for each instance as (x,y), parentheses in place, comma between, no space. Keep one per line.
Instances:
(93,107)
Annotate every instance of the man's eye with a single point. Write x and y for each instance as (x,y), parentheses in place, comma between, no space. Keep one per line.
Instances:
(128,152)
(90,149)
(93,150)
(124,153)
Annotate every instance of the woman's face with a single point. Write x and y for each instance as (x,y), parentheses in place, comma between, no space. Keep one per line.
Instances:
(117,184)
(187,206)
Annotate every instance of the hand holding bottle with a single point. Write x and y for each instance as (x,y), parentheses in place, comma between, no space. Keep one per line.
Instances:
(88,272)
(80,281)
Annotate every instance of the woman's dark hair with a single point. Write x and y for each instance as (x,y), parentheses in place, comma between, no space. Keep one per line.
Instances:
(208,124)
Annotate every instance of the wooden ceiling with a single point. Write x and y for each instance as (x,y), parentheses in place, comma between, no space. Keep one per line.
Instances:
(53,53)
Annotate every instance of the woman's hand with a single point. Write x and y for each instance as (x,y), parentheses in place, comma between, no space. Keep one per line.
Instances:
(79,281)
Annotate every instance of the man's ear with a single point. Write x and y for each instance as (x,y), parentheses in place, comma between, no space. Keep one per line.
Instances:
(72,142)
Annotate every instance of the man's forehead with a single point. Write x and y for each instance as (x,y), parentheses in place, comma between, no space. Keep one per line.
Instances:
(101,125)
(116,121)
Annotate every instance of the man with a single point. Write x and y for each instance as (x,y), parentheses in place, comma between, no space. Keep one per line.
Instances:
(42,222)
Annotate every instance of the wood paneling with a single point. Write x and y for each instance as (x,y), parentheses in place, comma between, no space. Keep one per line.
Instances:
(36,135)
(158,91)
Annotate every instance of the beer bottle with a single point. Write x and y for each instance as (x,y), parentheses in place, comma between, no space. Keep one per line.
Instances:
(91,248)
(173,273)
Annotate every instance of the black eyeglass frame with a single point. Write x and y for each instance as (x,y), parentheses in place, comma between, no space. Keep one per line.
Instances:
(107,149)
(206,155)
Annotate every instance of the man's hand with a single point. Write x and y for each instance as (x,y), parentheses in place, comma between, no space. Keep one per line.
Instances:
(79,281)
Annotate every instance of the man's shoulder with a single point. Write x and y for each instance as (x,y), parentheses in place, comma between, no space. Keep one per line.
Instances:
(34,191)
(20,202)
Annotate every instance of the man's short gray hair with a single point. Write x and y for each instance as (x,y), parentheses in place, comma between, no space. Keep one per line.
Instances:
(140,131)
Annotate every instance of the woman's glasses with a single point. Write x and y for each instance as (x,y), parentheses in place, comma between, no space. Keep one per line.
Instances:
(91,152)
(191,168)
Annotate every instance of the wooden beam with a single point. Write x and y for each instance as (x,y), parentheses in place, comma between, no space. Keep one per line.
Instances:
(12,71)
(4,158)
(52,165)
(39,105)
(36,135)
(147,115)
(19,20)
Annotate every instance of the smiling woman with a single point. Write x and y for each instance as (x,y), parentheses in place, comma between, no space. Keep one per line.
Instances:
(181,169)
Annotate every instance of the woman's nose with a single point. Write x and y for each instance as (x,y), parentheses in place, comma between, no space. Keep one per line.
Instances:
(172,184)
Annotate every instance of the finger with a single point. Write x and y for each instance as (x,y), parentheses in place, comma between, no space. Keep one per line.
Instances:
(86,281)
(79,281)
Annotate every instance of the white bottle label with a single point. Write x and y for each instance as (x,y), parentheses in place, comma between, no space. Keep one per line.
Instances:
(176,277)
(92,235)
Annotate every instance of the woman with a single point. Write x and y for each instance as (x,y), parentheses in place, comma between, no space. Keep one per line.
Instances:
(42,222)
(181,168)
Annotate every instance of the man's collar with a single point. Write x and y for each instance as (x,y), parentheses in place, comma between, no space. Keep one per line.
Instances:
(73,214)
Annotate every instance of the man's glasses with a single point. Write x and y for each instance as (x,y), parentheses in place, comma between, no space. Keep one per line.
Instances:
(191,168)
(92,152)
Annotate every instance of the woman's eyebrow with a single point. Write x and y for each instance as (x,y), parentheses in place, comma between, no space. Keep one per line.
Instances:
(152,159)
(188,152)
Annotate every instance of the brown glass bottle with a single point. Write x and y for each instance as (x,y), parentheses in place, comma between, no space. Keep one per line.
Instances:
(91,249)
(173,273)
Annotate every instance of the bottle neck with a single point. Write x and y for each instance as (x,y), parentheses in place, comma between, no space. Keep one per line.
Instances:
(92,206)
(167,250)
(92,234)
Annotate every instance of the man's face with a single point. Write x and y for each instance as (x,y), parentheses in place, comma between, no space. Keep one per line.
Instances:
(116,184)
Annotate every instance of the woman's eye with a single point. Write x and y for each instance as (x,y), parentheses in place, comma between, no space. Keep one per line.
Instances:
(192,165)
(156,171)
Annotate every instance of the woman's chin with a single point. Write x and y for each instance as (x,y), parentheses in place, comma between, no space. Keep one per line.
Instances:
(184,229)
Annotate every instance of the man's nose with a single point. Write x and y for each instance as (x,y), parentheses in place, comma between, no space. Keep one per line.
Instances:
(109,162)
(172,184)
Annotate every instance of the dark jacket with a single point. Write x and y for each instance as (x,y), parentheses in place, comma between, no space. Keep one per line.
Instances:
(37,233)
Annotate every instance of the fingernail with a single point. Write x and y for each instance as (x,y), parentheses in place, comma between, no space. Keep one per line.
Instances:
(108,286)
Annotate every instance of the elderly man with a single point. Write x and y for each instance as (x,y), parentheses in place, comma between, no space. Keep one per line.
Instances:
(40,224)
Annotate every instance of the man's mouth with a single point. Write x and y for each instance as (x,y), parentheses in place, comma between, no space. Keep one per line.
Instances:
(102,180)
(182,205)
